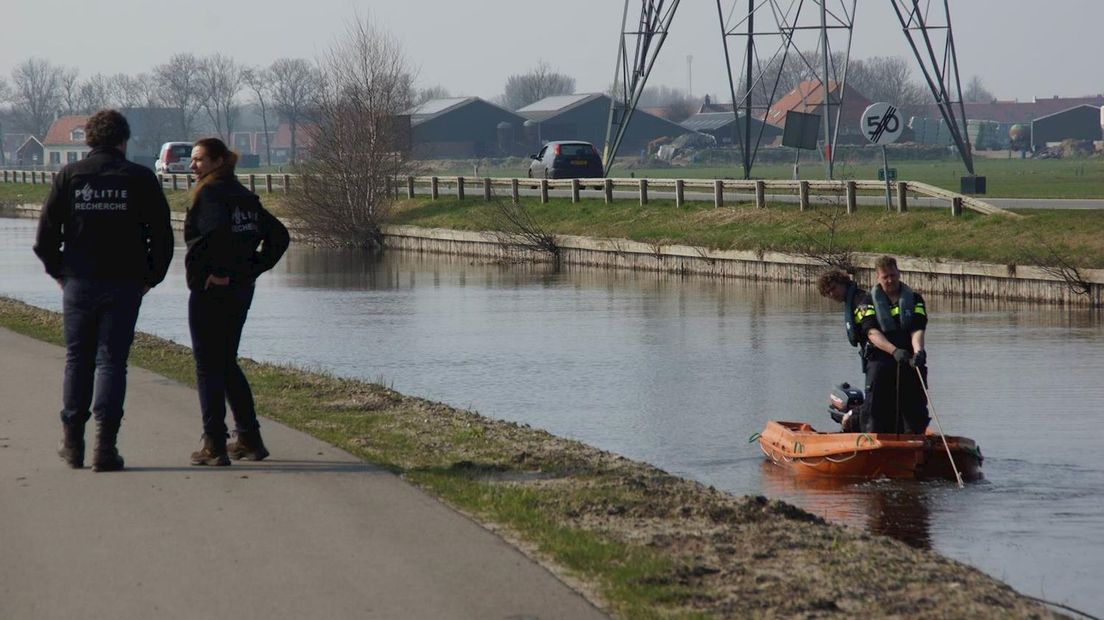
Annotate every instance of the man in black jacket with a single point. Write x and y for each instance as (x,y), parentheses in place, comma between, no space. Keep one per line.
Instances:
(105,236)
(894,320)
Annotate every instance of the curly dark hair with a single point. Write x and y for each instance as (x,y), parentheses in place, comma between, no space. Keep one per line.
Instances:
(106,128)
(830,278)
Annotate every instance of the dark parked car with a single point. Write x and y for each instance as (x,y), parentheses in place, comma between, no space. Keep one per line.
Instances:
(566,160)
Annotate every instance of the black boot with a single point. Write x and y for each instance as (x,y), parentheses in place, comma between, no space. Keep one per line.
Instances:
(106,456)
(213,451)
(248,447)
(72,444)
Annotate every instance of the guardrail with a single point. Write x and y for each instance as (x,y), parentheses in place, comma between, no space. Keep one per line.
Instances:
(845,191)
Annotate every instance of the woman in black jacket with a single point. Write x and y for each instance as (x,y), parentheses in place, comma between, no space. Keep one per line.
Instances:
(231,240)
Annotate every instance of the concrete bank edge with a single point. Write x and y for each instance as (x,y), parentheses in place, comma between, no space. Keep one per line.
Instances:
(944,277)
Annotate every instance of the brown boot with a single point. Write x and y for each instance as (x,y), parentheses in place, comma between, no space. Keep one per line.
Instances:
(106,457)
(248,447)
(72,444)
(213,452)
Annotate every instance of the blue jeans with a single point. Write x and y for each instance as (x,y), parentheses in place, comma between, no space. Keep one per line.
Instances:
(216,317)
(99,318)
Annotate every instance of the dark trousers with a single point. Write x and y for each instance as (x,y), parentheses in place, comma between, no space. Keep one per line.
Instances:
(98,321)
(892,407)
(216,317)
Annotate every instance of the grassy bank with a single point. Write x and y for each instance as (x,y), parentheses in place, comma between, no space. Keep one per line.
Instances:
(1076,235)
(1042,236)
(643,543)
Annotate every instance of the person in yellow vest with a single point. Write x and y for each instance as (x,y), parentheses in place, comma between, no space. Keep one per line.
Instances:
(837,285)
(894,319)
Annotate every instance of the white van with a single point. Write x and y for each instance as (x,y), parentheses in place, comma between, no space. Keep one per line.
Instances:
(174,158)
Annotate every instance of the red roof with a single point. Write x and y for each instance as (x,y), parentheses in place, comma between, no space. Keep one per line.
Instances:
(61,132)
(808,97)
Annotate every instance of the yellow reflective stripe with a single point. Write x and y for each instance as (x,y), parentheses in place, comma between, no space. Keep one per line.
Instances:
(894,311)
(862,313)
(919,309)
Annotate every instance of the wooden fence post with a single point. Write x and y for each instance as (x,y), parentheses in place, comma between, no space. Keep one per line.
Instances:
(718,194)
(956,206)
(188,182)
(287,183)
(607,187)
(487,189)
(34,178)
(268,183)
(760,195)
(680,193)
(409,186)
(173,182)
(803,195)
(252,183)
(515,193)
(544,191)
(852,201)
(643,192)
(574,190)
(902,196)
(459,188)
(434,190)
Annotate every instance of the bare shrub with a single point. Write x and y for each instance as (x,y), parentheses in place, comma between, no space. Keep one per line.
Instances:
(825,248)
(358,142)
(517,230)
(1055,262)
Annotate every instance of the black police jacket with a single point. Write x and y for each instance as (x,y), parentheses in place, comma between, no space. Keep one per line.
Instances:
(105,218)
(229,234)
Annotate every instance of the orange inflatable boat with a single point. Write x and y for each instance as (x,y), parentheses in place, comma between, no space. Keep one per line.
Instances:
(807,452)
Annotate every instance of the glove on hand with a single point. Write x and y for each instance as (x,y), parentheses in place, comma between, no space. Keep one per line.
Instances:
(902,355)
(919,360)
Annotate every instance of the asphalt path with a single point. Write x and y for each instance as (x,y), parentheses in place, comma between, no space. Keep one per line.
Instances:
(312,532)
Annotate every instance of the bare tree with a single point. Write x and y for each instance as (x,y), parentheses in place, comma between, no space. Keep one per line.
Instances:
(887,78)
(423,95)
(975,91)
(134,91)
(70,91)
(294,84)
(260,82)
(96,93)
(220,81)
(37,93)
(343,194)
(541,82)
(178,86)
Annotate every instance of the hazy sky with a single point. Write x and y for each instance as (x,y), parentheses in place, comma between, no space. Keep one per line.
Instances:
(1020,48)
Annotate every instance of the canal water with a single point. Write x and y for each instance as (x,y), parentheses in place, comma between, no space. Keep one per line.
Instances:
(682,372)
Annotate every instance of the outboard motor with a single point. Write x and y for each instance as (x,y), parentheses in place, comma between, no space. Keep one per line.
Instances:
(843,399)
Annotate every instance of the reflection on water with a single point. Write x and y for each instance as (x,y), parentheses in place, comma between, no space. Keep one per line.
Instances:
(897,508)
(680,372)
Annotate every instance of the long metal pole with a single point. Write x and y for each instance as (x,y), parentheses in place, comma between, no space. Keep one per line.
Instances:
(885,172)
(737,138)
(938,425)
(749,82)
(827,95)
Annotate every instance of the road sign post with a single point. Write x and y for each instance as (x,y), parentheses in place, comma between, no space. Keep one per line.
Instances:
(881,124)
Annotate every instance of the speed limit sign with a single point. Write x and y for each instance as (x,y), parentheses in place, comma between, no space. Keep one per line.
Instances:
(881,123)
